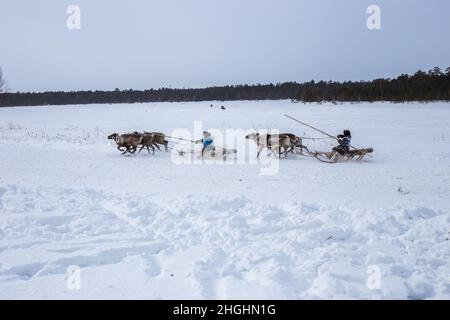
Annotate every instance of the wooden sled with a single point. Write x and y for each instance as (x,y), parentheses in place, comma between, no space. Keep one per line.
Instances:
(218,152)
(329,157)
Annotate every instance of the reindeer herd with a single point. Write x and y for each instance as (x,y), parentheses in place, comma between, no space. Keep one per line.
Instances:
(130,142)
(279,144)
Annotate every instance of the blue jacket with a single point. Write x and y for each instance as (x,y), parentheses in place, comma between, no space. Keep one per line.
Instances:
(207,141)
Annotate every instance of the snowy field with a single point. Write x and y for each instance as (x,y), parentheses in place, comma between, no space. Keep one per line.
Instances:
(79,220)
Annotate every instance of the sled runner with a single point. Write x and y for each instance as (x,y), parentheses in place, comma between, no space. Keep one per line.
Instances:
(332,157)
(216,154)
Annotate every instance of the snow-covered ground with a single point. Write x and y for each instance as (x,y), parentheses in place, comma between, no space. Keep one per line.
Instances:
(79,220)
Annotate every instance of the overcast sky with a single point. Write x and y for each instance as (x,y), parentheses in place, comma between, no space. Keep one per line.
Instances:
(194,43)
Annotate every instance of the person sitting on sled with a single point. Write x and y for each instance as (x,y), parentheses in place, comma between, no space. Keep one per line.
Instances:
(344,140)
(208,143)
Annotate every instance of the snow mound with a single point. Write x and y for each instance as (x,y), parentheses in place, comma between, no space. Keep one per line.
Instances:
(229,247)
(13,133)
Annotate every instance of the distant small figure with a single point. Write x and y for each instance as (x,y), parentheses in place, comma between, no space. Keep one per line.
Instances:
(402,191)
(211,105)
(222,107)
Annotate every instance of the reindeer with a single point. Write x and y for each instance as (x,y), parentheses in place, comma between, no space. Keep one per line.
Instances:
(296,142)
(148,141)
(128,141)
(158,139)
(271,142)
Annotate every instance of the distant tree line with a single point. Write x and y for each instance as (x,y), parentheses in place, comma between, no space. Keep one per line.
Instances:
(433,85)
(422,86)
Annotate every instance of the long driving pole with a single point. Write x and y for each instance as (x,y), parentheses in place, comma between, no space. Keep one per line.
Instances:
(305,124)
